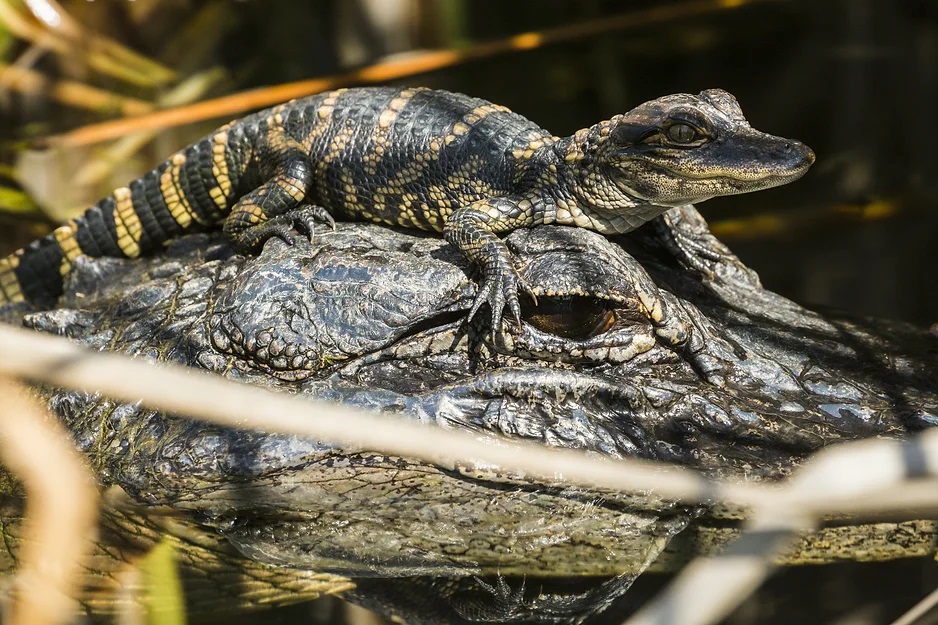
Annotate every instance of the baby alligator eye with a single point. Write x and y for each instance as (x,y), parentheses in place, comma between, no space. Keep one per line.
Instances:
(575,318)
(682,133)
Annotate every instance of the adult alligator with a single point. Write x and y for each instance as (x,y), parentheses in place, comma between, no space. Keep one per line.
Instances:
(377,318)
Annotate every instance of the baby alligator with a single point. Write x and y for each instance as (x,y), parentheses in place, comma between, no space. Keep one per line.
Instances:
(420,158)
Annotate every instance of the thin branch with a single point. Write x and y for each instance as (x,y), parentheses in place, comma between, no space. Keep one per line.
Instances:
(238,103)
(708,589)
(98,169)
(70,92)
(921,609)
(200,394)
(837,480)
(102,54)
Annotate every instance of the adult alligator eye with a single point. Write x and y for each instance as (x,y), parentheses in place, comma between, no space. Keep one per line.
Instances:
(683,133)
(575,318)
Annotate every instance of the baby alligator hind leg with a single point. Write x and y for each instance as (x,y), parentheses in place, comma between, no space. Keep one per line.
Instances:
(277,208)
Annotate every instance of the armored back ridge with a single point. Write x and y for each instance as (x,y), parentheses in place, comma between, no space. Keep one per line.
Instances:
(420,158)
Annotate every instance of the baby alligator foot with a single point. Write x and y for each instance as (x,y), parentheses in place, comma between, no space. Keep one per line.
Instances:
(685,233)
(499,289)
(292,227)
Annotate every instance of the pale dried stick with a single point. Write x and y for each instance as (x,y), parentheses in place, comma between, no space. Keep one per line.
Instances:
(61,508)
(205,396)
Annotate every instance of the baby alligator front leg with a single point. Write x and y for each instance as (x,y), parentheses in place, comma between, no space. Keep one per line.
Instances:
(684,232)
(473,230)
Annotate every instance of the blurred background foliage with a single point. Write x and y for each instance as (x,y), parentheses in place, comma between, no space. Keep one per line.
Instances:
(855,79)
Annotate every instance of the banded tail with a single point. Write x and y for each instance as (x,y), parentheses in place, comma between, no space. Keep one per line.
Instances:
(131,221)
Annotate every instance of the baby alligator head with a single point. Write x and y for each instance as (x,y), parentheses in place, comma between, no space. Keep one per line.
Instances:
(677,150)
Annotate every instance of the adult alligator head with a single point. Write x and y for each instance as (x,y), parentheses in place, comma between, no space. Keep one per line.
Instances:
(375,318)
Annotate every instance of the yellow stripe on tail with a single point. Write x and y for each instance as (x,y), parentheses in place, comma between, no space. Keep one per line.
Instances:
(10,291)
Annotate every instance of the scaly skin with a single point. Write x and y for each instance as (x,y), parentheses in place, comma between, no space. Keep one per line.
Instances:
(374,317)
(423,159)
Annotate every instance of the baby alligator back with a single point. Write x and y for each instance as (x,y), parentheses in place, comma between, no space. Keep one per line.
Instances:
(405,157)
